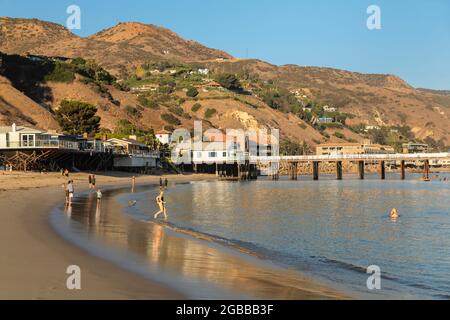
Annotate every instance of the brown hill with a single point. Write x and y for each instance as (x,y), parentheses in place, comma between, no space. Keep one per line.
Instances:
(370,99)
(17,107)
(119,48)
(373,99)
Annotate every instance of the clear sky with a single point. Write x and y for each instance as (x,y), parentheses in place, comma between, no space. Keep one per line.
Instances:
(413,43)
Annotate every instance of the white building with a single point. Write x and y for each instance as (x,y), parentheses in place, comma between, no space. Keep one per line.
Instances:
(203,71)
(23,137)
(329,109)
(164,137)
(219,152)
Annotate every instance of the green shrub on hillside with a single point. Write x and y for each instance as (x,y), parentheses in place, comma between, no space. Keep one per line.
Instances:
(339,135)
(170,119)
(196,107)
(60,72)
(176,110)
(229,81)
(192,92)
(209,113)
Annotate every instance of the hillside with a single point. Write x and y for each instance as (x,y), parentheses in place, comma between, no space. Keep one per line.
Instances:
(119,48)
(373,99)
(141,55)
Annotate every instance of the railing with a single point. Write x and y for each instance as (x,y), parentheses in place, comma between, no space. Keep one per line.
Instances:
(385,157)
(50,143)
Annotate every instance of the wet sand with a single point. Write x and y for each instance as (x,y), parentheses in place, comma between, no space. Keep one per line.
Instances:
(34,258)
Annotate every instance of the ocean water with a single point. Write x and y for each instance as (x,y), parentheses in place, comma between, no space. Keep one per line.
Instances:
(326,230)
(332,229)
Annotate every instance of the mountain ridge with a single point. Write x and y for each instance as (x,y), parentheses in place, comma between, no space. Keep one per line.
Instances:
(370,99)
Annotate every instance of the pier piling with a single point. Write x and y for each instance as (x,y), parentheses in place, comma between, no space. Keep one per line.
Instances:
(382,170)
(402,169)
(339,170)
(316,170)
(361,168)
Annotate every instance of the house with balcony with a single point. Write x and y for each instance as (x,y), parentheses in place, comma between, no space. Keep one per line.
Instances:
(132,155)
(20,137)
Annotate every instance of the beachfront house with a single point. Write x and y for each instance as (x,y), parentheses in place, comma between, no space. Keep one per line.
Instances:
(131,154)
(20,137)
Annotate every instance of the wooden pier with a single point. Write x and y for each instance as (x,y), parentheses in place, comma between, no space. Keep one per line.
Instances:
(292,163)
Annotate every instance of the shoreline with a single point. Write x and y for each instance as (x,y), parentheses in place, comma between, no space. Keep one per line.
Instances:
(26,224)
(35,257)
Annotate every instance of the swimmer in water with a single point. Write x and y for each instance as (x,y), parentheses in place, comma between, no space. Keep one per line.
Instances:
(162,204)
(394,214)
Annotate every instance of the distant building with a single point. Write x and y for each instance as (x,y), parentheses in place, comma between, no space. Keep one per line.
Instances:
(371,127)
(329,109)
(415,147)
(210,86)
(145,87)
(325,120)
(328,149)
(164,137)
(204,71)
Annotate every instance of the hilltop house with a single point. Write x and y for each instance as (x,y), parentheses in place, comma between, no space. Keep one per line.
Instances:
(329,109)
(325,120)
(210,86)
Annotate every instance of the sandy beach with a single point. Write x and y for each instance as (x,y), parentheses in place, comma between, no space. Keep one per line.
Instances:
(34,258)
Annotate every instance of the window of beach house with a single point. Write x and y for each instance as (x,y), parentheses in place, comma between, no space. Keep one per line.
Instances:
(28,140)
(213,154)
(224,154)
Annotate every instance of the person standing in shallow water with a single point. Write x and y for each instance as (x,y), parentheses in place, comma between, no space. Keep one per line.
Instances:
(93,181)
(162,204)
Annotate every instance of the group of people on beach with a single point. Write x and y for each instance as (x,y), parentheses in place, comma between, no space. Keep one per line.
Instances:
(69,186)
(70,189)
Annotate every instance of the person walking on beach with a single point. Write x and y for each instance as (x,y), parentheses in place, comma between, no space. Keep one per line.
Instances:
(70,189)
(162,204)
(90,182)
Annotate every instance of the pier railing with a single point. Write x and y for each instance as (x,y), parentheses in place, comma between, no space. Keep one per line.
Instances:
(354,157)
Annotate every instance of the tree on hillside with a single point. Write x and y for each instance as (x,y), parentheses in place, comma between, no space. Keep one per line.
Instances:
(229,81)
(76,117)
(192,92)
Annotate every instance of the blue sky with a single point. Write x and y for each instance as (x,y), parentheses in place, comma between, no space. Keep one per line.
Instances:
(413,43)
